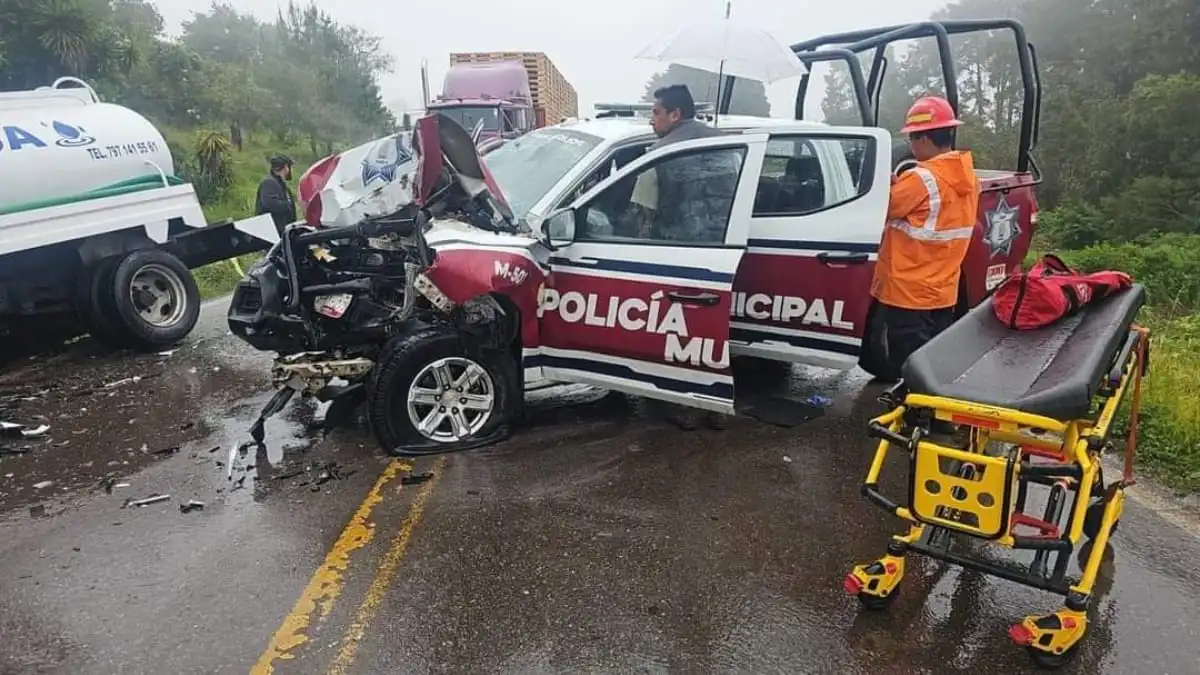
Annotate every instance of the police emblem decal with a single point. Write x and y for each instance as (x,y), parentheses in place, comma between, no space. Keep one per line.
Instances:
(1002,228)
(384,160)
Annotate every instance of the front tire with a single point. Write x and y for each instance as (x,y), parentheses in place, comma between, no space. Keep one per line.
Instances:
(427,390)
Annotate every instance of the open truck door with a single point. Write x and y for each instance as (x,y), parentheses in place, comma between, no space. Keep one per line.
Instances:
(1007,215)
(639,295)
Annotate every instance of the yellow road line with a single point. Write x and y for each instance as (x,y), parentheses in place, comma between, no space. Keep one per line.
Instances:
(383,577)
(326,583)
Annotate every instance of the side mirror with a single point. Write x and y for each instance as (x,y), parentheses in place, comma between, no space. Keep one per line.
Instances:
(558,228)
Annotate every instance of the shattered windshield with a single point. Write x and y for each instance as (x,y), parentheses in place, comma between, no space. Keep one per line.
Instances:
(527,167)
(469,116)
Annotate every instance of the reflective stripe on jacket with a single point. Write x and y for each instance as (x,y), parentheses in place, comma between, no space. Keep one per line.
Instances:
(930,222)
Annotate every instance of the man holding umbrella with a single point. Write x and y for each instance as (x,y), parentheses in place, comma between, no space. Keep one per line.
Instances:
(662,194)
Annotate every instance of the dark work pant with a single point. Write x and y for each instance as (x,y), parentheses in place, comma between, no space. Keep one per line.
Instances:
(899,332)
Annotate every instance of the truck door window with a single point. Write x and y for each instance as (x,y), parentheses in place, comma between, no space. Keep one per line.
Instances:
(685,197)
(614,162)
(803,175)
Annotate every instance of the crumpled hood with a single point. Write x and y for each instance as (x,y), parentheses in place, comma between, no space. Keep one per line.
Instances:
(957,169)
(405,169)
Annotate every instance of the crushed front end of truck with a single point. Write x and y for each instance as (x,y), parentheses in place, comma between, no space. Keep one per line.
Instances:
(404,291)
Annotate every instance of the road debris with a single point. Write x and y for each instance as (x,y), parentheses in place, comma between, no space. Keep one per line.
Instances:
(14,430)
(415,478)
(109,483)
(124,381)
(13,451)
(331,471)
(290,474)
(43,485)
(152,499)
(192,505)
(167,451)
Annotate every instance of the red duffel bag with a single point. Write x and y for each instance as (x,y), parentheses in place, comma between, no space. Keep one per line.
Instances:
(1051,291)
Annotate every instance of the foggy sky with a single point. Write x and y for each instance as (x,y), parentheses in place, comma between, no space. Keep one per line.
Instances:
(591,42)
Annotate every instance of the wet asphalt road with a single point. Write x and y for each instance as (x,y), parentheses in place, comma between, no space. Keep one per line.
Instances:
(600,540)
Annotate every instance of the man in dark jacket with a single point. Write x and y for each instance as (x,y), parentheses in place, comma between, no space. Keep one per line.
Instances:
(274,197)
(672,196)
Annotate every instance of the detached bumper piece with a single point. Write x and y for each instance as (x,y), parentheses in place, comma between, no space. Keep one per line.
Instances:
(1030,433)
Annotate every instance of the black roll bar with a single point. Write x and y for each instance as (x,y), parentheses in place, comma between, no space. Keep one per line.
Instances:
(841,45)
(856,78)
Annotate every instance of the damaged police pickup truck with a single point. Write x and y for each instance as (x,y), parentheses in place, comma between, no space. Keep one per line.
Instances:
(438,286)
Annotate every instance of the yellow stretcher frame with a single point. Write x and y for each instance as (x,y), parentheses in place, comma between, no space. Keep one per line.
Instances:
(968,492)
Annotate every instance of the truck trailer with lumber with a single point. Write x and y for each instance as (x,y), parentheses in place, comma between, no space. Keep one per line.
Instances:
(94,225)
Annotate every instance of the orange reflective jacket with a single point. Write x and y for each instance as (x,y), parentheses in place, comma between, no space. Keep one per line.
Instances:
(930,222)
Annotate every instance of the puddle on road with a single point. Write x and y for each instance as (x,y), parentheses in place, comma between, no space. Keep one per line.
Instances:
(112,415)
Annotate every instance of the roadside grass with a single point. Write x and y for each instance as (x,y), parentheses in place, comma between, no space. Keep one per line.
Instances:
(1169,429)
(221,277)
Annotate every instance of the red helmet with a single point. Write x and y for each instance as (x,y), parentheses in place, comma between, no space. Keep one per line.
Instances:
(929,112)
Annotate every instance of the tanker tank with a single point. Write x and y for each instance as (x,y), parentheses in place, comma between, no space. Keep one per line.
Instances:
(56,149)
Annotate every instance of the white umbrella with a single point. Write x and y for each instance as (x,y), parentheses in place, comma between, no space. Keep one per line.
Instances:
(729,47)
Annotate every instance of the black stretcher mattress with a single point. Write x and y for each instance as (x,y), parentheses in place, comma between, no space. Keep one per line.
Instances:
(1053,371)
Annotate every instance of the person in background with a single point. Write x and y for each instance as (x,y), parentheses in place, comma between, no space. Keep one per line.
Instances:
(930,222)
(274,196)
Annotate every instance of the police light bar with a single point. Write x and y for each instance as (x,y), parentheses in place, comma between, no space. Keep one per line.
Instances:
(632,109)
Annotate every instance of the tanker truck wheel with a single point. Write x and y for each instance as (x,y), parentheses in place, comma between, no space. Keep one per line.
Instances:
(155,299)
(95,305)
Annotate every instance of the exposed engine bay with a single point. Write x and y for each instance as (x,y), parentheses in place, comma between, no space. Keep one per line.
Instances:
(329,296)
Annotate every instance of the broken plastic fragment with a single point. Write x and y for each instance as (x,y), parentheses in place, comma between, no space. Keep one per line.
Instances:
(128,380)
(415,478)
(153,499)
(36,431)
(43,485)
(192,505)
(14,430)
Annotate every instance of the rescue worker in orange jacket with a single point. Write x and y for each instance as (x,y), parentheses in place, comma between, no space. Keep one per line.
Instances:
(930,222)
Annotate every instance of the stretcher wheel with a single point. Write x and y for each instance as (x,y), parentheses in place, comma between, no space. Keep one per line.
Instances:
(1094,517)
(1048,661)
(877,603)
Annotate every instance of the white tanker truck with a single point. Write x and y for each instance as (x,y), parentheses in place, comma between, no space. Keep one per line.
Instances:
(93,221)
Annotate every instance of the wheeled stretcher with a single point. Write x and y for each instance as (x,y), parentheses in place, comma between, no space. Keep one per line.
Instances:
(1033,410)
